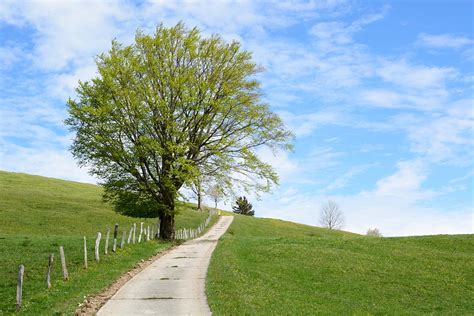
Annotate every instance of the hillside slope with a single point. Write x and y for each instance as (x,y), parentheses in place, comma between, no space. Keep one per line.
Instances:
(265,267)
(38,215)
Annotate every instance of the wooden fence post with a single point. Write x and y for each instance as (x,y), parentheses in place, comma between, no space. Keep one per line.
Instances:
(114,248)
(122,242)
(152,233)
(63,263)
(85,253)
(141,232)
(129,240)
(19,287)
(106,250)
(148,233)
(50,269)
(97,244)
(134,231)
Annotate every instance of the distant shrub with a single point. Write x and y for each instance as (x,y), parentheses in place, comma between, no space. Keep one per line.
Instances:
(374,232)
(243,207)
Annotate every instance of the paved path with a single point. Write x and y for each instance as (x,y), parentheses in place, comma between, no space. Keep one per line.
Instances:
(172,285)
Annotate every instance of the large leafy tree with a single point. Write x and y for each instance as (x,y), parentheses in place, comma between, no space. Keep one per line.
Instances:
(167,107)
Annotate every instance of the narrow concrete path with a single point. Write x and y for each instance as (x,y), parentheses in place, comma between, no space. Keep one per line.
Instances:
(172,285)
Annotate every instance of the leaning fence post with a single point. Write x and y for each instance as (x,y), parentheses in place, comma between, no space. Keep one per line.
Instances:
(19,287)
(63,263)
(85,252)
(114,248)
(97,244)
(106,250)
(122,242)
(148,233)
(50,269)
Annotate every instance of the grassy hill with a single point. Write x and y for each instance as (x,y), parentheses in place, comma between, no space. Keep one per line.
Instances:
(38,215)
(272,267)
(260,266)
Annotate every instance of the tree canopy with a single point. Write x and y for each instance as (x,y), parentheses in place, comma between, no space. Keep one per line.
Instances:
(166,108)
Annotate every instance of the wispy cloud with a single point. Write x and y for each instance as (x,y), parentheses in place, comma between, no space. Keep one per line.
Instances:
(67,33)
(413,76)
(444,40)
(343,180)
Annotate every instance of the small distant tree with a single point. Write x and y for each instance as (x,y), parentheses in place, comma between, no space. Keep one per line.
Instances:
(243,207)
(216,192)
(374,232)
(331,215)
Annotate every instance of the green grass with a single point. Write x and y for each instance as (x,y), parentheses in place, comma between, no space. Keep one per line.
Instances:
(37,216)
(272,267)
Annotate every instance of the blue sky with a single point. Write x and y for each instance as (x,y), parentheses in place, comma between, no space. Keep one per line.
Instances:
(379,95)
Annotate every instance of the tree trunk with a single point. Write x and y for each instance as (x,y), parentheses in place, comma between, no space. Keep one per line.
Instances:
(199,201)
(167,227)
(168,196)
(197,187)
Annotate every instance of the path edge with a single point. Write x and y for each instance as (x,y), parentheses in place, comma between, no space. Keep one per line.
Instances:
(92,304)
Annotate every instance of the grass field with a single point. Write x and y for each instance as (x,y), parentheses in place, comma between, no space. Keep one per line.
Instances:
(272,267)
(37,216)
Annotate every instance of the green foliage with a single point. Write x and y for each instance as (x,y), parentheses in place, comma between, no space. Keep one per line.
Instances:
(243,207)
(283,268)
(167,108)
(40,214)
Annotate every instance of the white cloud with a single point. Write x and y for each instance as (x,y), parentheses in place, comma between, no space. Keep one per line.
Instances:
(339,33)
(444,137)
(343,180)
(305,124)
(405,183)
(33,120)
(444,40)
(44,162)
(10,55)
(413,76)
(426,100)
(69,31)
(280,161)
(63,85)
(335,32)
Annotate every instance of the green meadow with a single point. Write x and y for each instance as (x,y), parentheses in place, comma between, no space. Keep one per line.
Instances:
(273,267)
(37,215)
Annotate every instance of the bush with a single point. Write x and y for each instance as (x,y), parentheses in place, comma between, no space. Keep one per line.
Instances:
(373,232)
